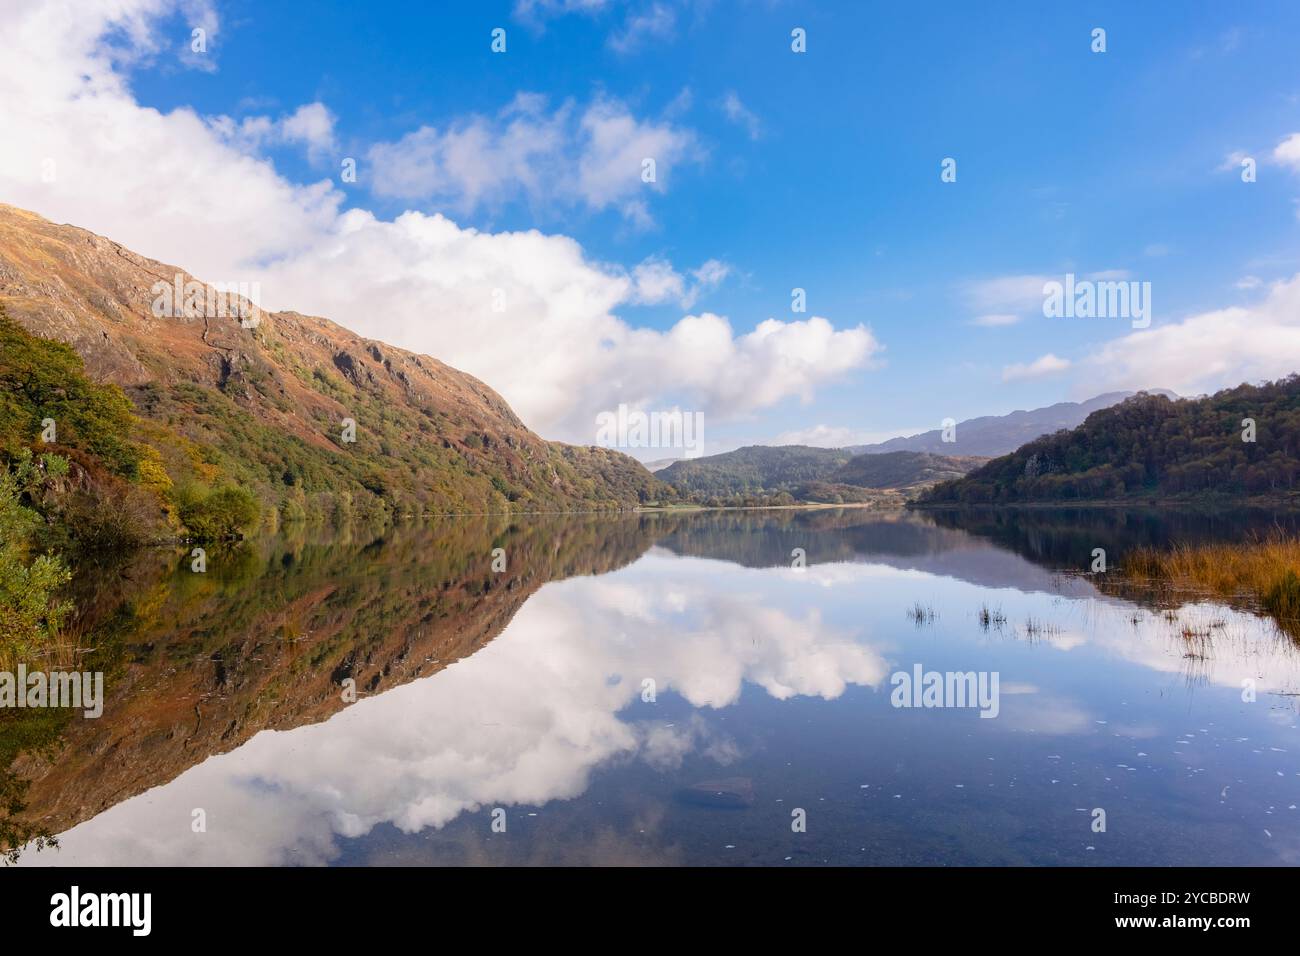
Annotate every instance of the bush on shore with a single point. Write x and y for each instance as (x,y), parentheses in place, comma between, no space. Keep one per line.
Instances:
(218,514)
(30,612)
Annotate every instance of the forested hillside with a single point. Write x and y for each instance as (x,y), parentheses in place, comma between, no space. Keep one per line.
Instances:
(1242,442)
(755,468)
(762,474)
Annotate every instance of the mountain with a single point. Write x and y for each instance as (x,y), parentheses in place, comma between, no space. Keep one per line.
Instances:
(903,469)
(753,469)
(659,464)
(806,473)
(993,435)
(1239,443)
(224,395)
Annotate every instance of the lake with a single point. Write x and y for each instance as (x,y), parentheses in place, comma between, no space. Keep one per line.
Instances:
(676,689)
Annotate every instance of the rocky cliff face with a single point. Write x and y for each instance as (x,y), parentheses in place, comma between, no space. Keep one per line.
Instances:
(267,396)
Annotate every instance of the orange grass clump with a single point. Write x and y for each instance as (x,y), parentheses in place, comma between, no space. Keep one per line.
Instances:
(1266,569)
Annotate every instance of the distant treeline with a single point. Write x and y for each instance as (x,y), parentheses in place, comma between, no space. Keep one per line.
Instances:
(1242,442)
(785,474)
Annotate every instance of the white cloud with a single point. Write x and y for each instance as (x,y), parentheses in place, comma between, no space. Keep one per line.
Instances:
(1208,351)
(171,186)
(741,115)
(536,12)
(163,183)
(1040,367)
(1233,161)
(644,20)
(655,282)
(712,273)
(594,158)
(1287,152)
(1015,290)
(311,126)
(656,21)
(1248,283)
(615,147)
(996,319)
(199,15)
(1005,300)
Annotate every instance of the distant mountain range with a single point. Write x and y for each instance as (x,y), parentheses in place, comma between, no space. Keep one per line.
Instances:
(773,474)
(1239,443)
(806,473)
(659,464)
(993,435)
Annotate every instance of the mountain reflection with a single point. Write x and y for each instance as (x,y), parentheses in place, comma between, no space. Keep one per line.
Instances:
(607,642)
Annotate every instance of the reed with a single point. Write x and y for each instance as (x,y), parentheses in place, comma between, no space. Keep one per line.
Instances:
(1264,569)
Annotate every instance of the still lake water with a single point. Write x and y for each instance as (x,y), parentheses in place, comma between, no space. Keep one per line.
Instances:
(527,692)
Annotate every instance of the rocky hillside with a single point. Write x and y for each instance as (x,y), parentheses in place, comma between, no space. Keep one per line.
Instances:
(264,400)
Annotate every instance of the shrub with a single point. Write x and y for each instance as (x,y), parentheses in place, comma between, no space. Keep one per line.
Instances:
(41,379)
(99,521)
(29,612)
(226,512)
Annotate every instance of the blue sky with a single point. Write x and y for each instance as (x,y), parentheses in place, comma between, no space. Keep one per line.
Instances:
(822,170)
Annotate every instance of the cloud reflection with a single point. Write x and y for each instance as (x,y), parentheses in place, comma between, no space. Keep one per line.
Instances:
(525,720)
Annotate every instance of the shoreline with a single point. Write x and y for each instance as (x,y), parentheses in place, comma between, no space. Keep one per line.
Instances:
(1155,504)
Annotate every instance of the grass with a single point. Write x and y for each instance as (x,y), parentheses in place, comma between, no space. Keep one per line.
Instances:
(1263,569)
(921,614)
(1036,630)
